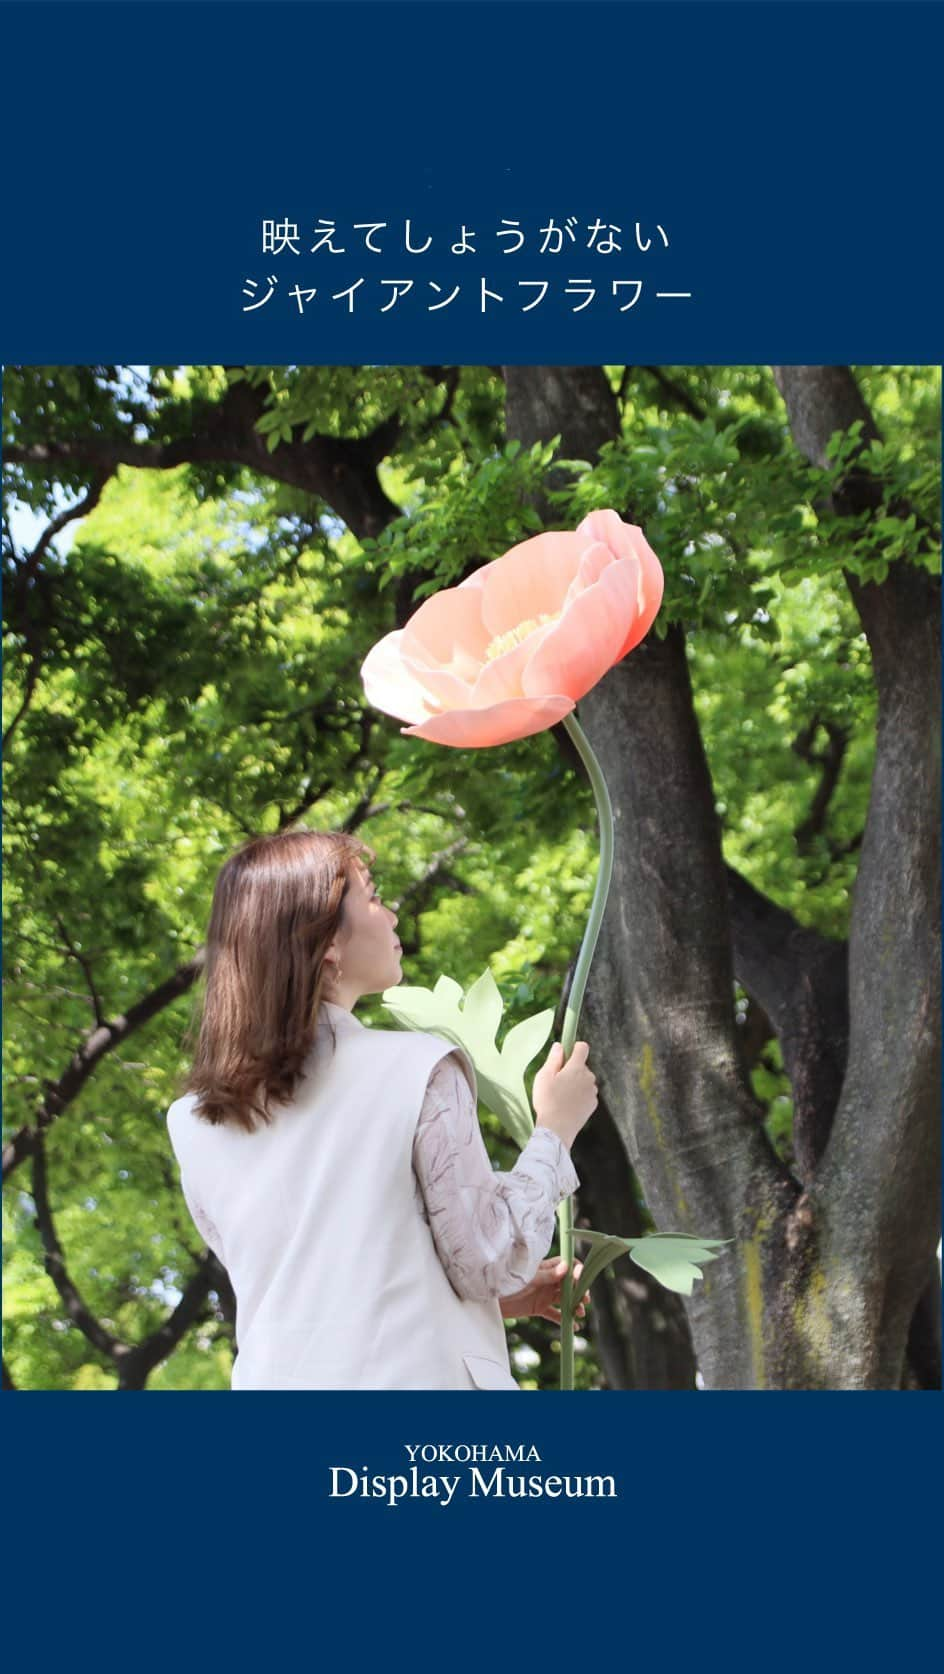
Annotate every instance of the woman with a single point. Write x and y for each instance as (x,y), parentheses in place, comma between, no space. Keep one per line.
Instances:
(338,1171)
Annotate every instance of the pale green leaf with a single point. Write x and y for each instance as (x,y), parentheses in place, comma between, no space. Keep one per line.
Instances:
(675,1259)
(472,1021)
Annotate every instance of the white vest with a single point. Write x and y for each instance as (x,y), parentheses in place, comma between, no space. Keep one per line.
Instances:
(337,1281)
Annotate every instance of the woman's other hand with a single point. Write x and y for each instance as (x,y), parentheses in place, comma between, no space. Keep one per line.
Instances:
(542,1296)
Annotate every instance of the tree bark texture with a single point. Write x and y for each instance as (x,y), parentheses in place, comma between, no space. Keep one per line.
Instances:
(830,1265)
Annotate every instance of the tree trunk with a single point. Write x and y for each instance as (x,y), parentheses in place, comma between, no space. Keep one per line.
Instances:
(662,1027)
(873,1207)
(821,1286)
(639,1329)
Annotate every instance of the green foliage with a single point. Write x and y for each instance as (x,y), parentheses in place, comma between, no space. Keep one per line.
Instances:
(199,640)
(481,508)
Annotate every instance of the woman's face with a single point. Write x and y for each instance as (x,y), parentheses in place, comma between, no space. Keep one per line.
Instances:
(367,945)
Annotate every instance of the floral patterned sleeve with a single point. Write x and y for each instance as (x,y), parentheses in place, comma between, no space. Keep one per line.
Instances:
(491,1230)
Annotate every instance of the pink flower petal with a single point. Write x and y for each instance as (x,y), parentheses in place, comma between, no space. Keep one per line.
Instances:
(594,559)
(478,729)
(588,639)
(609,527)
(388,683)
(450,691)
(628,541)
(651,587)
(447,633)
(501,677)
(641,626)
(598,591)
(529,581)
(443,689)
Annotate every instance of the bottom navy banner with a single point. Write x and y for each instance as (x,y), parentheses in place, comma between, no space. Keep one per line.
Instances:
(356,1525)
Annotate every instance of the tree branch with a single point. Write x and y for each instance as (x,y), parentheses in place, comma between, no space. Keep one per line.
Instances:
(81,509)
(136,1361)
(29,581)
(54,1262)
(86,969)
(93,1048)
(133,1361)
(799,978)
(342,471)
(677,393)
(877,1191)
(829,760)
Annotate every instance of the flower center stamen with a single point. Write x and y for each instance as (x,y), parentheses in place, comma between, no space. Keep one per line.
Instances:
(507,642)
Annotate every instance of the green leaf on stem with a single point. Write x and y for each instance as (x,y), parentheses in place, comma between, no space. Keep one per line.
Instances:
(472,1021)
(673,1258)
(605,1252)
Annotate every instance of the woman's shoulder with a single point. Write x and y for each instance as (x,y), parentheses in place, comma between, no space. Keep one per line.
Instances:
(182,1112)
(425,1037)
(425,1046)
(442,1055)
(181,1106)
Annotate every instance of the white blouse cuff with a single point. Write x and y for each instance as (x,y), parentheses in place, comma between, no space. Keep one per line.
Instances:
(551,1144)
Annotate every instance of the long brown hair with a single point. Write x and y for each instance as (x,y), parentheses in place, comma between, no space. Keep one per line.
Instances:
(277,904)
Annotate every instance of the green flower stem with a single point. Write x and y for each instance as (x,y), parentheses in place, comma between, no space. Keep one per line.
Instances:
(565,1210)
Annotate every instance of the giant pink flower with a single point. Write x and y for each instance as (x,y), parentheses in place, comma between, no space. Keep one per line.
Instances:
(511,650)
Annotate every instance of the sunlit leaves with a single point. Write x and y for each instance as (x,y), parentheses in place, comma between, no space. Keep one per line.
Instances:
(199,679)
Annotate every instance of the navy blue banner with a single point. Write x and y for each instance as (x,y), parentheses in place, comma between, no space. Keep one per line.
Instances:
(666,1528)
(532,182)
